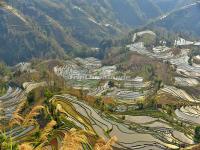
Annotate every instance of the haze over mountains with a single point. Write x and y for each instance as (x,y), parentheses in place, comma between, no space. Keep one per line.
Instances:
(186,19)
(36,29)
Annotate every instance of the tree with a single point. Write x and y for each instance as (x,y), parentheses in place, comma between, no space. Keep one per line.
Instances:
(197,134)
(111,84)
(104,45)
(4,70)
(98,101)
(48,94)
(30,97)
(140,106)
(157,84)
(123,117)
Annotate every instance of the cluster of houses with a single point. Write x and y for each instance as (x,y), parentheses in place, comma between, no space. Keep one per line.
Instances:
(24,67)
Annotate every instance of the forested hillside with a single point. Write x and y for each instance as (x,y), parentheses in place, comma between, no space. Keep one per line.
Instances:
(35,28)
(185,20)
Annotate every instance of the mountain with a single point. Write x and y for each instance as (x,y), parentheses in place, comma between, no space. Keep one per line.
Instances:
(43,28)
(185,20)
(134,12)
(54,28)
(51,28)
(169,5)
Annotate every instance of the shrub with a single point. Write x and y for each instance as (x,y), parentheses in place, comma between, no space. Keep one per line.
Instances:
(197,134)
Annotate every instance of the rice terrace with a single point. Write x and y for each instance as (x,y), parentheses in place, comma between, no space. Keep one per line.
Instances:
(100,75)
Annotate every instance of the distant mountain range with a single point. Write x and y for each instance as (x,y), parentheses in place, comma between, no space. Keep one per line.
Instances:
(54,28)
(170,5)
(185,20)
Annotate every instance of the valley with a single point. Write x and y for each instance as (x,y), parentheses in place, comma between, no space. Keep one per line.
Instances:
(105,101)
(99,75)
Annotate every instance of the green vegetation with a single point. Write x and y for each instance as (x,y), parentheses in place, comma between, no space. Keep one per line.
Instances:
(197,134)
(82,29)
(179,23)
(6,142)
(111,84)
(3,88)
(5,74)
(4,70)
(148,39)
(46,35)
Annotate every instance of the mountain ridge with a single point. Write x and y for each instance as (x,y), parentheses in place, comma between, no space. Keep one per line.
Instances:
(184,20)
(36,29)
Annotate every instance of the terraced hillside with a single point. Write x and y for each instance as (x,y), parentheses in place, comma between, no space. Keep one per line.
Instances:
(101,89)
(9,103)
(100,101)
(89,74)
(126,137)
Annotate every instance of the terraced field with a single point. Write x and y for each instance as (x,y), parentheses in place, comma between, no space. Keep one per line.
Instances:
(164,53)
(29,86)
(189,114)
(150,133)
(158,135)
(181,81)
(137,84)
(179,93)
(73,70)
(21,134)
(146,129)
(79,75)
(127,95)
(159,128)
(9,103)
(138,132)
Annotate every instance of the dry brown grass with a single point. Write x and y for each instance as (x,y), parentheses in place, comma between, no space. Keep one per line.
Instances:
(73,140)
(197,147)
(103,145)
(16,120)
(47,130)
(43,138)
(25,146)
(29,119)
(20,106)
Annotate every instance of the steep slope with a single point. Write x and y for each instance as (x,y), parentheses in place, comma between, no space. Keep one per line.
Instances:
(43,28)
(134,12)
(51,28)
(19,39)
(169,5)
(184,20)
